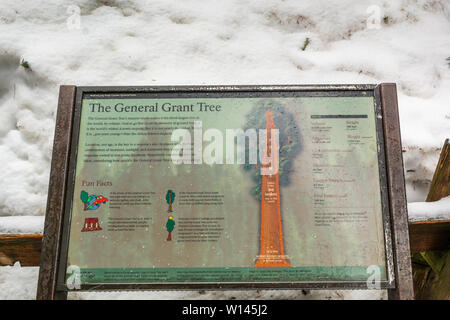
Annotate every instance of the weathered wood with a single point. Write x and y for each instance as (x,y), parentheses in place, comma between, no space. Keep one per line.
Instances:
(399,216)
(421,272)
(438,283)
(432,272)
(56,196)
(429,235)
(432,275)
(440,185)
(435,259)
(25,248)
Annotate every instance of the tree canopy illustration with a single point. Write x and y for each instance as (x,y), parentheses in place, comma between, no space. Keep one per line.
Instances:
(84,198)
(170,225)
(170,197)
(289,141)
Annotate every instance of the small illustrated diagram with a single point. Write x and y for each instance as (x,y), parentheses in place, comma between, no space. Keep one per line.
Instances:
(91,202)
(170,197)
(170,225)
(91,224)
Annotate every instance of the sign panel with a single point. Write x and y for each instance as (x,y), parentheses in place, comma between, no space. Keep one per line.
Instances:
(240,188)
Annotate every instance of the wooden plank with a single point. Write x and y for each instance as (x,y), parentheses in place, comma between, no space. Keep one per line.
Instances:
(440,185)
(424,236)
(429,235)
(437,285)
(25,248)
(399,216)
(56,196)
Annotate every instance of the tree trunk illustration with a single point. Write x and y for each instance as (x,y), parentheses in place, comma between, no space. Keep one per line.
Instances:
(271,238)
(170,203)
(170,197)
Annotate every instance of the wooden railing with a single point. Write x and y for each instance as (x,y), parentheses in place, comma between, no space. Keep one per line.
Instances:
(431,258)
(26,248)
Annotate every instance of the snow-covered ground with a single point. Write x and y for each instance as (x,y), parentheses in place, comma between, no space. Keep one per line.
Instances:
(137,42)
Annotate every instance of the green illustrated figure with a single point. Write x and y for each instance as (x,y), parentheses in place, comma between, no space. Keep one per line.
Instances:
(170,197)
(170,225)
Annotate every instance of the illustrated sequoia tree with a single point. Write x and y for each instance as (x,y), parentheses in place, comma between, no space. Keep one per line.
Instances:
(170,197)
(269,114)
(170,225)
(84,198)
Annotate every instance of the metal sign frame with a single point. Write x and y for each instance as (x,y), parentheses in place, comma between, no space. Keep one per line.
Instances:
(395,223)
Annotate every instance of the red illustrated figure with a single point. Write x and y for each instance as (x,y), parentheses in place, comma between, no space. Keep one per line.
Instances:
(91,224)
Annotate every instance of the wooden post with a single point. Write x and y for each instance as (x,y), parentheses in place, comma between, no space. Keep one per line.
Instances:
(432,268)
(399,216)
(56,195)
(440,185)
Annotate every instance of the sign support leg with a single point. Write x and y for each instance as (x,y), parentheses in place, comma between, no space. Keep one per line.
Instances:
(56,196)
(396,180)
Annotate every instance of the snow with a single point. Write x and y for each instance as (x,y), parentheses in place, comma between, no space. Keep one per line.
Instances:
(168,42)
(18,282)
(21,224)
(437,210)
